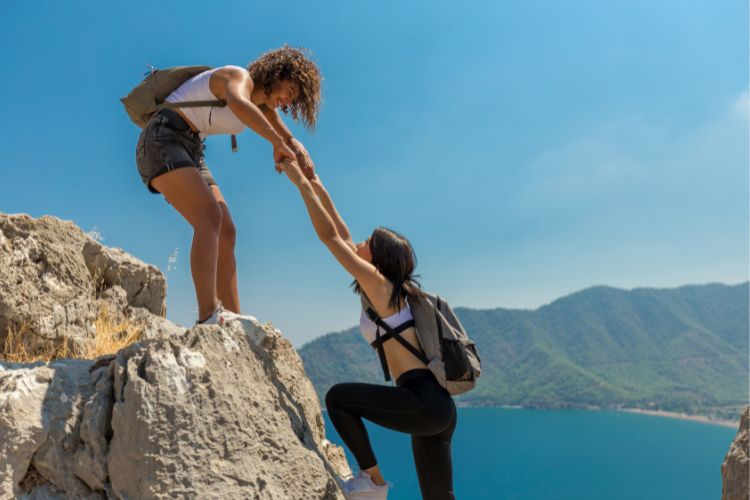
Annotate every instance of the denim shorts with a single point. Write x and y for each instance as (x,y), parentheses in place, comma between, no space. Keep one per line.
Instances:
(167,143)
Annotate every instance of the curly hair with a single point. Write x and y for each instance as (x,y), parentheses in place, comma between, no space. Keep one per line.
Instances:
(291,63)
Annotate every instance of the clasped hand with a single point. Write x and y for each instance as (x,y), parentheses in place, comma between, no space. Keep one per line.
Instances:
(293,170)
(295,150)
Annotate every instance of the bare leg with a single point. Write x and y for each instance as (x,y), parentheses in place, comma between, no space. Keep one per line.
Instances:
(188,193)
(226,273)
(375,475)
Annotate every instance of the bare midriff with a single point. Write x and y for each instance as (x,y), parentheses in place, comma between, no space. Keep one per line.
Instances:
(400,359)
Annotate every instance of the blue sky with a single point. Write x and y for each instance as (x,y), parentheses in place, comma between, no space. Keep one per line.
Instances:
(528,149)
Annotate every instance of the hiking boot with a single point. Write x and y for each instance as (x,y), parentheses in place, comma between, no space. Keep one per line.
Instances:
(361,487)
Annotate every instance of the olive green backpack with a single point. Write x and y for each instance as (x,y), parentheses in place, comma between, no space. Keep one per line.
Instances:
(147,97)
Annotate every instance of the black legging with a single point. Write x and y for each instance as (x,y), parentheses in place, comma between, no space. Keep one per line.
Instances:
(419,406)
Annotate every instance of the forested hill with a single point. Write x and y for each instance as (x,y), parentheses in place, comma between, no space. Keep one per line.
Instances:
(683,349)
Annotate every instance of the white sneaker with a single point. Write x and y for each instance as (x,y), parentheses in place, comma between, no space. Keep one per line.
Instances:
(361,487)
(221,315)
(229,315)
(213,319)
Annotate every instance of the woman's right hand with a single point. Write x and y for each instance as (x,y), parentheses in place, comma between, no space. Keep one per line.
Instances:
(281,152)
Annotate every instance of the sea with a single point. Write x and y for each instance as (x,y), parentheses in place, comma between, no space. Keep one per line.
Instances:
(506,453)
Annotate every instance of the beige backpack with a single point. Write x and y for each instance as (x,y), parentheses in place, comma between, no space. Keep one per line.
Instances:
(448,352)
(147,97)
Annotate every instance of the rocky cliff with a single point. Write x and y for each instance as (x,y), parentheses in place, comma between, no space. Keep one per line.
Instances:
(205,412)
(735,471)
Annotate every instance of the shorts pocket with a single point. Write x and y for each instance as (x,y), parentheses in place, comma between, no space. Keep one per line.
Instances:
(155,127)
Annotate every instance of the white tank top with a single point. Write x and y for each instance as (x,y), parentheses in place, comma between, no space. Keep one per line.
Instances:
(208,120)
(369,328)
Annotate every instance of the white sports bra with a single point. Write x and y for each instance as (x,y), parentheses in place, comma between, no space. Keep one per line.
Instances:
(369,328)
(209,120)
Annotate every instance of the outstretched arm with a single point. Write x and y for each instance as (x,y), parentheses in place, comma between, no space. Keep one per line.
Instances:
(235,86)
(325,226)
(327,202)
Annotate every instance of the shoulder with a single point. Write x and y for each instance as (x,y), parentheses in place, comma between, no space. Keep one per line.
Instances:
(231,71)
(377,294)
(225,77)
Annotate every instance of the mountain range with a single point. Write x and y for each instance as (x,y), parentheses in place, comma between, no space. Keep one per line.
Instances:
(683,349)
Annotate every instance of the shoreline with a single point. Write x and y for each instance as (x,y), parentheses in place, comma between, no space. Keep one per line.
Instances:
(654,413)
(684,416)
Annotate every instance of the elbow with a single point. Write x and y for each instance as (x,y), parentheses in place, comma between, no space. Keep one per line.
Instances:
(328,237)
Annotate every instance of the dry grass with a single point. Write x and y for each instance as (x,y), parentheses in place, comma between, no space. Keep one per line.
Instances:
(110,337)
(17,347)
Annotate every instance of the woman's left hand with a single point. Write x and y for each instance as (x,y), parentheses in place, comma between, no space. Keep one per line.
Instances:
(303,158)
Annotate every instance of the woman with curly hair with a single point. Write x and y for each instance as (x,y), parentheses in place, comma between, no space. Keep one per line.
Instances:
(170,158)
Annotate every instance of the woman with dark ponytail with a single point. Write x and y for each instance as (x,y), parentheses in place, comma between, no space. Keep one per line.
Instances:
(383,267)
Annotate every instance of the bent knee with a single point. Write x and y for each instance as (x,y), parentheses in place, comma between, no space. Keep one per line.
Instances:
(209,218)
(333,397)
(228,234)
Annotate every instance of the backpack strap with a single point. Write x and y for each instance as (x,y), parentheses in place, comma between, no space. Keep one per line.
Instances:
(381,355)
(220,103)
(199,104)
(438,306)
(391,333)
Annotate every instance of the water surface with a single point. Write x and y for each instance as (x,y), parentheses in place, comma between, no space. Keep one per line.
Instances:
(528,454)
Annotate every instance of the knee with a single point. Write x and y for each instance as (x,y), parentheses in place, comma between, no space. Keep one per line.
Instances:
(209,219)
(228,234)
(332,398)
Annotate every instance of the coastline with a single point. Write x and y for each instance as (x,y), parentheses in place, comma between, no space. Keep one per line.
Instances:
(654,413)
(684,416)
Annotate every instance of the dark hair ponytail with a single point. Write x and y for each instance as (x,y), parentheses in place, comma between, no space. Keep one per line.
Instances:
(393,256)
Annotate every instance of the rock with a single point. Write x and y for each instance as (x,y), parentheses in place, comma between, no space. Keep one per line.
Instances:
(144,285)
(206,412)
(45,287)
(40,416)
(46,492)
(90,462)
(211,411)
(70,387)
(22,427)
(56,281)
(735,471)
(153,327)
(232,417)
